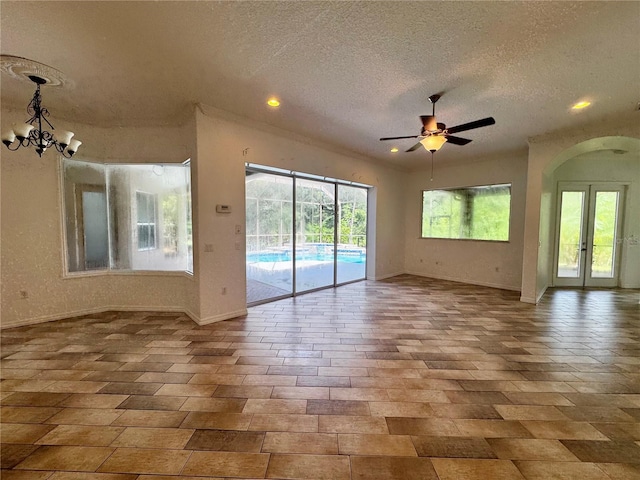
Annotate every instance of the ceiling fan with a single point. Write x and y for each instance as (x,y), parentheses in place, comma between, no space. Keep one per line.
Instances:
(435,134)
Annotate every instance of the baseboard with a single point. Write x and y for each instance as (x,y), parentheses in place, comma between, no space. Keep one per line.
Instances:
(528,300)
(92,311)
(388,275)
(541,294)
(221,317)
(458,280)
(51,318)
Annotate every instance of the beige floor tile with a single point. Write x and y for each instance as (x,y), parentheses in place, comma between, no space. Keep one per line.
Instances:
(364,394)
(618,471)
(472,469)
(149,418)
(83,400)
(228,464)
(563,430)
(270,380)
(392,468)
(81,435)
(352,424)
(166,438)
(381,445)
(23,432)
(316,393)
(138,460)
(85,416)
(426,396)
(27,475)
(422,426)
(400,409)
(27,414)
(492,428)
(561,471)
(306,443)
(221,421)
(200,404)
(284,423)
(186,390)
(538,398)
(531,449)
(86,459)
(530,412)
(72,386)
(243,391)
(275,406)
(316,467)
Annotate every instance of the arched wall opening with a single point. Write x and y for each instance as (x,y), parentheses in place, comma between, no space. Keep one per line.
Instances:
(546,156)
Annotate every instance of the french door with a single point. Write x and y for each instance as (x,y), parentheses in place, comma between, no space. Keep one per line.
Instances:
(588,228)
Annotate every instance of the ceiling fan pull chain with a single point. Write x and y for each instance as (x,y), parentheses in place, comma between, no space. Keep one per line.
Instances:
(431,166)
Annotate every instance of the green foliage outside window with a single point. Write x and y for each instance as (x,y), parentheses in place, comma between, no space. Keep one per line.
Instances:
(477,213)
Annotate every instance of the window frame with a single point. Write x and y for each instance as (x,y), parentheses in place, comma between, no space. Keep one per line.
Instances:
(151,199)
(66,273)
(509,185)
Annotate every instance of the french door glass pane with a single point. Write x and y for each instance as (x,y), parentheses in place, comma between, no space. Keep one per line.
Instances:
(352,233)
(604,235)
(314,234)
(571,224)
(269,235)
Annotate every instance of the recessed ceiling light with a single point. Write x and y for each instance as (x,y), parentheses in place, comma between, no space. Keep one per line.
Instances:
(273,102)
(581,105)
(394,150)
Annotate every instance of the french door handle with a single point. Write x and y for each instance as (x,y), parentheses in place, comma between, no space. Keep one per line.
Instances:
(583,249)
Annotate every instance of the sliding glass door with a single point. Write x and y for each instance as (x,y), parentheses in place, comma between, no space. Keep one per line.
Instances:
(302,234)
(315,234)
(269,232)
(352,233)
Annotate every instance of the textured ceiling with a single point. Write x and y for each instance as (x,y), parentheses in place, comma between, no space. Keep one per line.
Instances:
(347,73)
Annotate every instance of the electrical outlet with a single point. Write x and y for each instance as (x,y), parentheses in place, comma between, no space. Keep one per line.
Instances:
(238,229)
(208,247)
(24,294)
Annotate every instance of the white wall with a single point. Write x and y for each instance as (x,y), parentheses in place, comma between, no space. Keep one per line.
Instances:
(31,236)
(494,264)
(605,166)
(225,143)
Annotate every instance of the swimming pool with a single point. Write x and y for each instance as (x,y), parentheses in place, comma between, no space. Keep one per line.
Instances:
(347,256)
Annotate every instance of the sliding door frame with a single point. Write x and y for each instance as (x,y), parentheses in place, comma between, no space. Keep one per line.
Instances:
(294,241)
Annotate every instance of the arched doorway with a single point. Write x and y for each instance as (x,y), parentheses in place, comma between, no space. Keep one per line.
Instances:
(594,207)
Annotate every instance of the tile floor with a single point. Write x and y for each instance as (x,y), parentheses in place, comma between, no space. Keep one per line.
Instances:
(408,378)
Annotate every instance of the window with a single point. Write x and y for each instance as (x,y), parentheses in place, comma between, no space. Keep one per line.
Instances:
(476,213)
(146,206)
(127,217)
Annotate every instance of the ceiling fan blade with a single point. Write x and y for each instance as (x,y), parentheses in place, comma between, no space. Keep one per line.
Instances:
(457,140)
(415,147)
(485,122)
(399,138)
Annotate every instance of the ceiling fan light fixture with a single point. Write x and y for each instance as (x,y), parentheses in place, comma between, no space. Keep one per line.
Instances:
(433,143)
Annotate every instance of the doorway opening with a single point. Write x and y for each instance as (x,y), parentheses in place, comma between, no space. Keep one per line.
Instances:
(303,233)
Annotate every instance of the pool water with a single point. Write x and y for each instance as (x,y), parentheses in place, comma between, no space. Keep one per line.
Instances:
(320,257)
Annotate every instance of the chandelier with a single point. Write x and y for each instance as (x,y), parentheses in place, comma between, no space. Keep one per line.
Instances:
(32,133)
